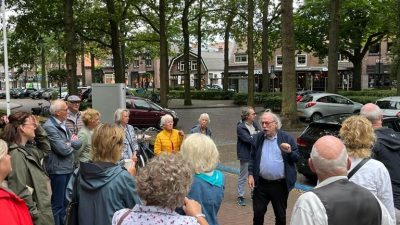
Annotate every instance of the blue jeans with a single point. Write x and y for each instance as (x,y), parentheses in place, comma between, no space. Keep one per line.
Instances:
(58,202)
(244,172)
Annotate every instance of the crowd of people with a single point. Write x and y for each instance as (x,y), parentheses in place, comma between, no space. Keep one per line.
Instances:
(75,159)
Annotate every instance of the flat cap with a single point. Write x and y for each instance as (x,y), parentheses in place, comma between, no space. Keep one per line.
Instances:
(73,98)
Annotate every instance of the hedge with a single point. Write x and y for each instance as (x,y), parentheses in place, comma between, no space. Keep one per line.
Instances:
(203,95)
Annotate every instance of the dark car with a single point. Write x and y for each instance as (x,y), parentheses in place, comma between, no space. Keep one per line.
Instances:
(87,94)
(38,94)
(16,93)
(145,113)
(27,91)
(329,125)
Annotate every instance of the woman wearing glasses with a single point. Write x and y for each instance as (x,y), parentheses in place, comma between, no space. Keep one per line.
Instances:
(28,178)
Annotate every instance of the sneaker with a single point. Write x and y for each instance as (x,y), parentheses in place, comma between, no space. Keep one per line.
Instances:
(241,201)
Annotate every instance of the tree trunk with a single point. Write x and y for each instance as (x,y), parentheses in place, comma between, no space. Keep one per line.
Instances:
(250,52)
(199,34)
(92,66)
(70,43)
(185,31)
(228,28)
(264,53)
(83,65)
(289,110)
(357,64)
(333,46)
(115,43)
(164,76)
(43,83)
(397,48)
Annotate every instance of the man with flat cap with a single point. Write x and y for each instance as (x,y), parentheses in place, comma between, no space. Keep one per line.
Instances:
(74,118)
(336,200)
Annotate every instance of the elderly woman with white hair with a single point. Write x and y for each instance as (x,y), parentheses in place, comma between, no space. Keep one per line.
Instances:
(202,128)
(208,186)
(169,140)
(121,118)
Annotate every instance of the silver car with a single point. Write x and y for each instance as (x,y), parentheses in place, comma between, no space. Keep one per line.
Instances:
(316,105)
(390,106)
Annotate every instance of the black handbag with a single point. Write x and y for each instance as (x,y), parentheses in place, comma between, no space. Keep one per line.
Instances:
(72,217)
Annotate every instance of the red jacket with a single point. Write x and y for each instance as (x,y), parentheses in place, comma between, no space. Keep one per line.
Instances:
(13,210)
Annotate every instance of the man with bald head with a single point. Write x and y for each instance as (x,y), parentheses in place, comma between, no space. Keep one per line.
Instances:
(336,200)
(386,150)
(60,163)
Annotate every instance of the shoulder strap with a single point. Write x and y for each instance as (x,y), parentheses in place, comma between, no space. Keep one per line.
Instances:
(126,213)
(75,188)
(357,167)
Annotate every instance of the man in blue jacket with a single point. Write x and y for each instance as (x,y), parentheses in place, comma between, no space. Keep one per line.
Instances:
(272,169)
(60,162)
(246,129)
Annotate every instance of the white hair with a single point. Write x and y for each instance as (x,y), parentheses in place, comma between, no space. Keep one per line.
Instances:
(164,119)
(329,166)
(274,117)
(205,116)
(118,114)
(372,114)
(3,148)
(55,106)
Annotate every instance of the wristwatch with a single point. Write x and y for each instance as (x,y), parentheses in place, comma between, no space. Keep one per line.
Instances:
(200,215)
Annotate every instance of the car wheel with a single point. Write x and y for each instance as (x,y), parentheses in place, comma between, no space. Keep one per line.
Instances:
(315,116)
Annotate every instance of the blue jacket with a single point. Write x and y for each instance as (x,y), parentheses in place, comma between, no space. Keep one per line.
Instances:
(196,129)
(244,140)
(209,194)
(61,157)
(289,159)
(103,189)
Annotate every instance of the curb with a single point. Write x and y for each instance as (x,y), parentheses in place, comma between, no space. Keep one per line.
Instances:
(232,170)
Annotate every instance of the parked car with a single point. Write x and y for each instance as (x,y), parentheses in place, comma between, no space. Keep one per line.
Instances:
(27,91)
(16,93)
(145,113)
(215,87)
(87,95)
(300,94)
(329,125)
(38,94)
(316,105)
(2,94)
(390,106)
(47,95)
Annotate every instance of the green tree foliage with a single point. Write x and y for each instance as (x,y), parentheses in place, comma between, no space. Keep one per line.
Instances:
(363,23)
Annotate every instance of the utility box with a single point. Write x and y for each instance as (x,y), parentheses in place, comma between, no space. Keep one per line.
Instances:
(106,98)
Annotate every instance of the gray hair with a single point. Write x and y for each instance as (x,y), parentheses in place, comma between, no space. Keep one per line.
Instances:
(372,112)
(118,114)
(274,116)
(164,119)
(3,148)
(244,112)
(56,105)
(329,166)
(206,116)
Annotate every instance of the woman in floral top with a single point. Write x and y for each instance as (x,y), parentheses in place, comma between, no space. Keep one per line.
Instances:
(121,118)
(163,185)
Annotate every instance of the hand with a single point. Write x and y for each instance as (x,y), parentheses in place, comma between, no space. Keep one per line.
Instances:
(285,147)
(74,137)
(132,169)
(250,181)
(191,207)
(134,157)
(181,133)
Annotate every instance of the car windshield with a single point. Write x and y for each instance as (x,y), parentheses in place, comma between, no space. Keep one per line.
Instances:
(386,104)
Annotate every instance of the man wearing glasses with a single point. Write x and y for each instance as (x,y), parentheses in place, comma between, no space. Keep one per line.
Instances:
(272,170)
(246,129)
(74,118)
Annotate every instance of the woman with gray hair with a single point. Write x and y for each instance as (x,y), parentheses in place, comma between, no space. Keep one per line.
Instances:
(163,185)
(202,128)
(121,118)
(169,140)
(208,185)
(358,136)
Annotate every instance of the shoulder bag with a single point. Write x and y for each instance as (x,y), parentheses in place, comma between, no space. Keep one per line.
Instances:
(72,217)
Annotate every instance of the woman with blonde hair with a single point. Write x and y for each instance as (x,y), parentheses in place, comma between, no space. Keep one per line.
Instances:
(358,136)
(91,119)
(13,209)
(103,182)
(163,185)
(169,140)
(208,186)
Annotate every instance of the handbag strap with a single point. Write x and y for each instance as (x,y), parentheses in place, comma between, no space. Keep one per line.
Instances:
(126,213)
(352,172)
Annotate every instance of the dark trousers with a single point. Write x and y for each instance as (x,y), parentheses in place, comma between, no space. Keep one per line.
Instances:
(275,192)
(58,202)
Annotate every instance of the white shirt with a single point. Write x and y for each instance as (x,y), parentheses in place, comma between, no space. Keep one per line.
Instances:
(309,209)
(374,176)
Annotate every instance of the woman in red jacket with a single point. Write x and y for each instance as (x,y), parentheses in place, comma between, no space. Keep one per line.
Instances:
(13,210)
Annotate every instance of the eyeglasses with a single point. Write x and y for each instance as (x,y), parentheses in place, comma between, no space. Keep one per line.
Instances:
(34,125)
(75,102)
(267,123)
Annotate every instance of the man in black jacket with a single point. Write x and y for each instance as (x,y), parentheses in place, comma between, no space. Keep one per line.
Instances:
(386,150)
(272,169)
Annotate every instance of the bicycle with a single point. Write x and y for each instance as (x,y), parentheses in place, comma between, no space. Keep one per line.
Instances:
(145,137)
